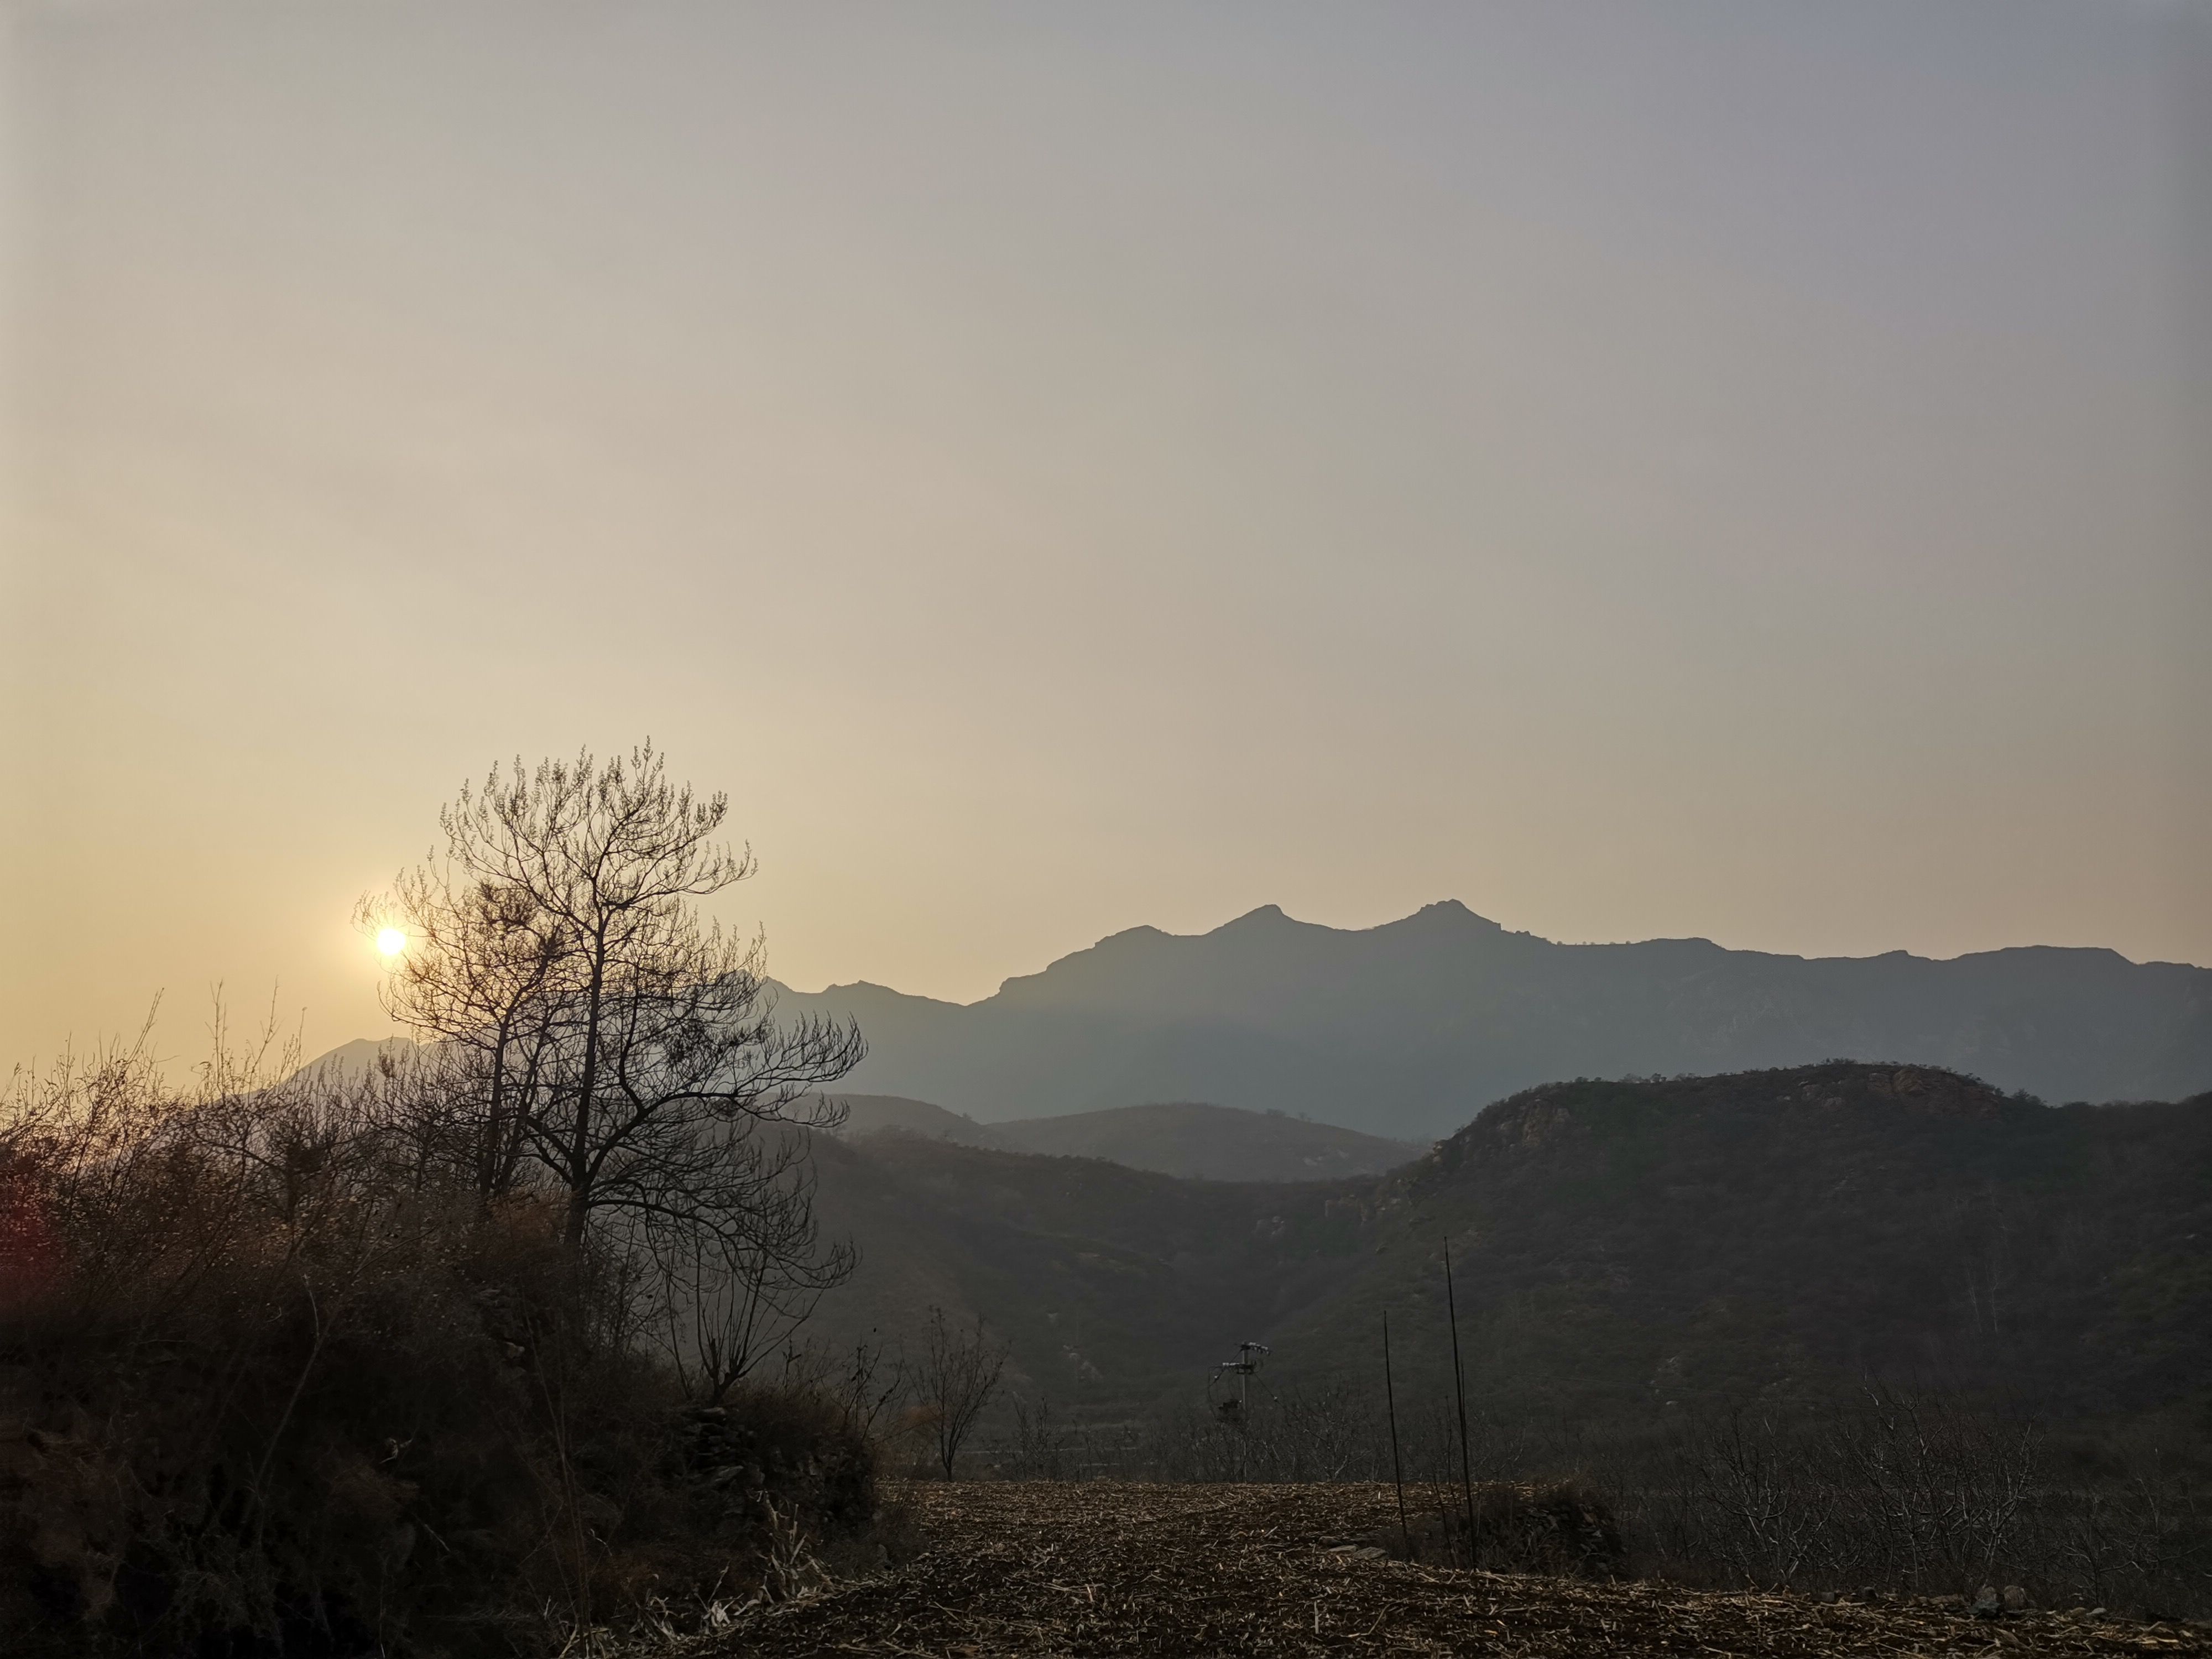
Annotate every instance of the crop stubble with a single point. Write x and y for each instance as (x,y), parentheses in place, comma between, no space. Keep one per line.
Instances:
(1101,1569)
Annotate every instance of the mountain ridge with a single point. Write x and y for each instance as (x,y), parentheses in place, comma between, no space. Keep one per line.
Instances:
(1407,1028)
(1145,931)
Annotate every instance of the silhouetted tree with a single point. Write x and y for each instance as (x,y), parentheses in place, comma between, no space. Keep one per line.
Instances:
(738,1296)
(602,1039)
(960,1371)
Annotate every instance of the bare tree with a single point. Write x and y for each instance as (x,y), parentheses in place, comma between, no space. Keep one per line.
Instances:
(737,1296)
(482,979)
(960,1371)
(590,1040)
(865,1382)
(617,1046)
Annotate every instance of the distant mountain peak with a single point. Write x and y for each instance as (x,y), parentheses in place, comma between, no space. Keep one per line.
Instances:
(1450,912)
(359,1057)
(1446,913)
(863,990)
(1267,915)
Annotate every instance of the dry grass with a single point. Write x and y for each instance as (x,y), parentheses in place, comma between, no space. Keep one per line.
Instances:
(1101,1569)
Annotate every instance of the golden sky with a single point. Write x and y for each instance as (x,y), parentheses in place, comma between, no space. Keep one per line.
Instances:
(1641,469)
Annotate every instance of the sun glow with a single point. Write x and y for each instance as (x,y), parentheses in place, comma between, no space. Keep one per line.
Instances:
(390,940)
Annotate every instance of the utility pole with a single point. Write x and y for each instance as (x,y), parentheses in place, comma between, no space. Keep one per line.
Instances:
(1459,1393)
(1397,1468)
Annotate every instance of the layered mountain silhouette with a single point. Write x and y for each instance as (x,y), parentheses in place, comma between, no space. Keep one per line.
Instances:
(1218,1143)
(1407,1029)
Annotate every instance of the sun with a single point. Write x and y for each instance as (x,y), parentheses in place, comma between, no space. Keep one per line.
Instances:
(390,940)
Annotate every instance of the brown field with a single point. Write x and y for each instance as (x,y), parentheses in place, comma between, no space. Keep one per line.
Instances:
(1039,1569)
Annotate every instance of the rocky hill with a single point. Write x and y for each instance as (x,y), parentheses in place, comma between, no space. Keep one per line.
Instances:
(1621,1246)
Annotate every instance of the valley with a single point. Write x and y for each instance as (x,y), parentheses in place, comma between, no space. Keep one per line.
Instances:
(1621,1250)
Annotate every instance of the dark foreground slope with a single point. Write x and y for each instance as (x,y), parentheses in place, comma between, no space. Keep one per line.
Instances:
(1619,1245)
(1408,1030)
(1029,1568)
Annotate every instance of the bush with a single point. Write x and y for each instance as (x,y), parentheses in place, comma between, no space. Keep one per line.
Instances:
(1561,1529)
(268,1385)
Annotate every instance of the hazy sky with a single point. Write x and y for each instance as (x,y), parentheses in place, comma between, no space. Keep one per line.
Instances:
(1640,469)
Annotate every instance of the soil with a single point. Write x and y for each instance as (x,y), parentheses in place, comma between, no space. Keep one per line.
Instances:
(1100,1569)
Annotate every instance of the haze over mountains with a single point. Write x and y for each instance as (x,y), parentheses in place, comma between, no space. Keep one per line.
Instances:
(1732,1220)
(1409,1028)
(1183,1137)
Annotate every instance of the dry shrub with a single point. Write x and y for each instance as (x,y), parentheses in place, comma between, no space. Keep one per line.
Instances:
(1562,1530)
(271,1381)
(782,1449)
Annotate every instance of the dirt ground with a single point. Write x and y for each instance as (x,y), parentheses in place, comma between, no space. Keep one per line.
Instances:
(1038,1569)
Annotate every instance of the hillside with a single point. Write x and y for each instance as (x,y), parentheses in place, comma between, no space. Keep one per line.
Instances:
(1619,1245)
(1407,1029)
(871,1115)
(1623,1245)
(1222,1143)
(1114,1284)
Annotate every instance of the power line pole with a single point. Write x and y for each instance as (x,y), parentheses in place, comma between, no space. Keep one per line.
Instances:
(1459,1393)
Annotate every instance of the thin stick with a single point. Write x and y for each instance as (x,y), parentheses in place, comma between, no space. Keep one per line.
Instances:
(1397,1469)
(1459,1393)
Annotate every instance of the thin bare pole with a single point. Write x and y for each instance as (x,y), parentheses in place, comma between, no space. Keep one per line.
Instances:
(1459,1394)
(1397,1469)
(1244,1363)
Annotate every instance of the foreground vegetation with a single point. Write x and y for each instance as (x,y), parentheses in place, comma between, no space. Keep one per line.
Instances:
(272,1381)
(1912,1493)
